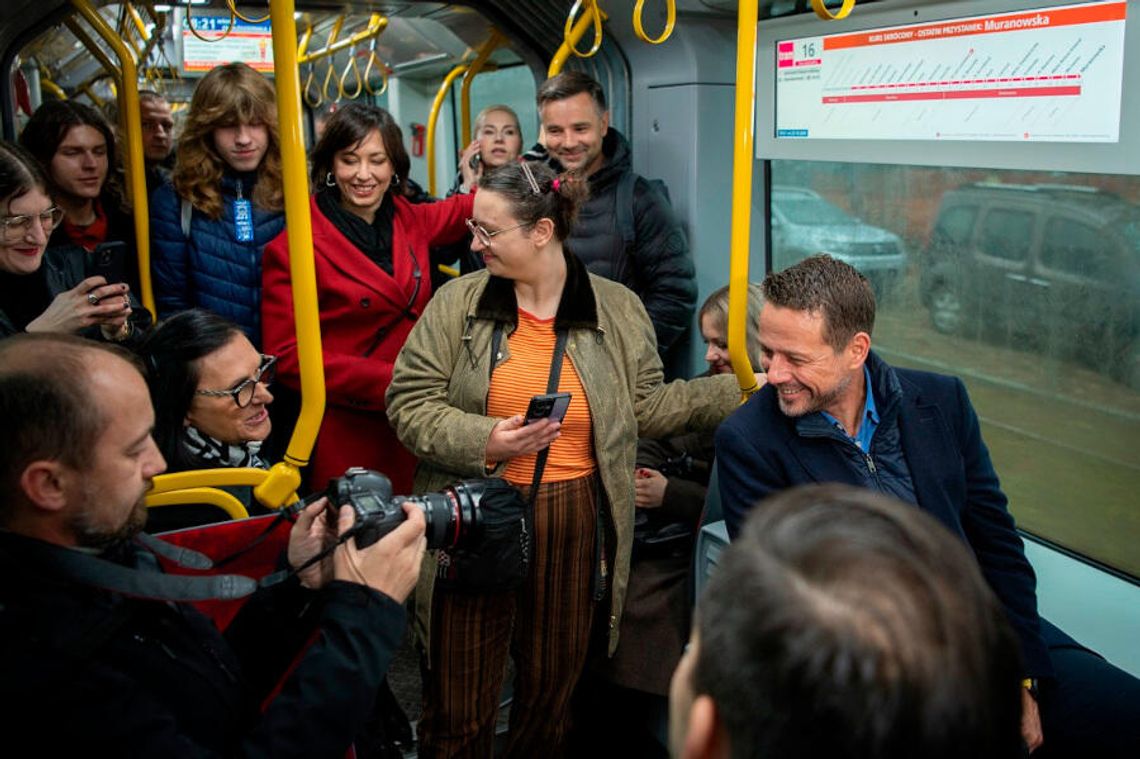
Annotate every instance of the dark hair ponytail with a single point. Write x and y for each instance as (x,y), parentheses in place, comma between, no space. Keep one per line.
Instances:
(535,192)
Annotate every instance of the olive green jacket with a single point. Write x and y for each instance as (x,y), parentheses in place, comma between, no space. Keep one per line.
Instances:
(438,397)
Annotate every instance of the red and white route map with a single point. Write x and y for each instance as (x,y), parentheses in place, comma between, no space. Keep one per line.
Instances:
(1050,75)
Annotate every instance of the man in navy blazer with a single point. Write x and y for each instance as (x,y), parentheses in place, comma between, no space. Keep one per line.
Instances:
(833,411)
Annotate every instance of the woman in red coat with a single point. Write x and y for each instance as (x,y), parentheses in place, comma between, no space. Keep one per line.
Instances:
(373,279)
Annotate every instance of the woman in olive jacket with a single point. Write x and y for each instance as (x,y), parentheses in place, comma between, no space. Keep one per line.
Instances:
(443,384)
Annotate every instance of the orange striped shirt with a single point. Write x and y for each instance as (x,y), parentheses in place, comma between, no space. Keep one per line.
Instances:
(524,375)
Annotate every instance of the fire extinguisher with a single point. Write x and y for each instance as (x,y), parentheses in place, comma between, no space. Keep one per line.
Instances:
(419,131)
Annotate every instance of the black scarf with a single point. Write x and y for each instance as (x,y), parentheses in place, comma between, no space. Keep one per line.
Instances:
(373,240)
(23,297)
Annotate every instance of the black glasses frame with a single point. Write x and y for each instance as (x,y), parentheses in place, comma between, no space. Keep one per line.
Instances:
(264,374)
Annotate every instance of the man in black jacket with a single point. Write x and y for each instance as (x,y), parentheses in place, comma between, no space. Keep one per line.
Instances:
(626,231)
(95,656)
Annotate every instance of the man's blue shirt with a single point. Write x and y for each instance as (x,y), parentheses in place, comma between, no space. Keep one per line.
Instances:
(870,417)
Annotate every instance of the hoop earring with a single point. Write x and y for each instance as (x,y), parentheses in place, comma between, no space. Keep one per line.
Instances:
(330,180)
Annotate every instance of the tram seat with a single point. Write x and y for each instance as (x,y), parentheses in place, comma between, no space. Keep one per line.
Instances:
(712,535)
(1093,709)
(224,539)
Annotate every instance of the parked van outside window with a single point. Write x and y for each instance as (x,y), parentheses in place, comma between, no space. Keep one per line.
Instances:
(1053,268)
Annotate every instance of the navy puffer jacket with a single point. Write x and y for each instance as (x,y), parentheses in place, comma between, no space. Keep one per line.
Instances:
(210,269)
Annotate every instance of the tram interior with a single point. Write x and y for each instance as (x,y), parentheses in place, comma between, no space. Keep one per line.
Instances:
(1051,354)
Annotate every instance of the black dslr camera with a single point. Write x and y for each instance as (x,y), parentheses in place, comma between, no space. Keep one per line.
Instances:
(453,515)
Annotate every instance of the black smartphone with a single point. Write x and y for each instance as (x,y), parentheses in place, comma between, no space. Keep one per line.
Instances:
(476,160)
(551,406)
(108,260)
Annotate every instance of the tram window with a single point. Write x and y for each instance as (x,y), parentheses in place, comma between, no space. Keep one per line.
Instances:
(1027,286)
(1075,248)
(1007,234)
(955,226)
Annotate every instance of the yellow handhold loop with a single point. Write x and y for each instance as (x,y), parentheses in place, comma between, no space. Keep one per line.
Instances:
(822,11)
(329,78)
(373,59)
(670,22)
(246,19)
(354,67)
(226,33)
(314,100)
(589,8)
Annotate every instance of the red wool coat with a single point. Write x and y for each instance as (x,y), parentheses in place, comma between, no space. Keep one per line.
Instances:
(365,317)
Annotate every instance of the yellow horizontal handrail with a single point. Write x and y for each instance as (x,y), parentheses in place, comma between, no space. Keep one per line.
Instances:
(450,271)
(670,22)
(473,70)
(376,24)
(52,87)
(576,33)
(822,11)
(210,496)
(219,477)
(129,100)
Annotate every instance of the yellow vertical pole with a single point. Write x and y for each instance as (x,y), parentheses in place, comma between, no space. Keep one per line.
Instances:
(433,117)
(743,163)
(477,65)
(136,176)
(284,477)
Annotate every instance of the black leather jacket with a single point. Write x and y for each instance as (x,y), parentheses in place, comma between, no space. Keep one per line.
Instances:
(85,671)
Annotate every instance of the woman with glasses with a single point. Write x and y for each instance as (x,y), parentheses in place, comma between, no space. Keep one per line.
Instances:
(373,270)
(487,343)
(210,390)
(48,289)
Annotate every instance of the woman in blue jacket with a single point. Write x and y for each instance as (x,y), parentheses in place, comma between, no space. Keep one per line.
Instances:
(225,201)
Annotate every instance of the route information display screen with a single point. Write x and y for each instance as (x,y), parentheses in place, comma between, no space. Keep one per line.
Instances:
(1051,75)
(250,43)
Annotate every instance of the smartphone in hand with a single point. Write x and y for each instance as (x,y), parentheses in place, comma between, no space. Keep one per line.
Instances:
(551,406)
(108,260)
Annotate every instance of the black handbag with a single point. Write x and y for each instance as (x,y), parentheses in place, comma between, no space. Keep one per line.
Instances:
(498,559)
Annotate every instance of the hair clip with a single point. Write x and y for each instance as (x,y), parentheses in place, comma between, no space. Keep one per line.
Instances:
(530,178)
(555,184)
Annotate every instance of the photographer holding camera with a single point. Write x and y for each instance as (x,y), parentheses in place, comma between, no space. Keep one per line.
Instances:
(99,654)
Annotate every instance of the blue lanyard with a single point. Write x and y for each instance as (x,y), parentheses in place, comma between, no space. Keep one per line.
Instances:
(243,218)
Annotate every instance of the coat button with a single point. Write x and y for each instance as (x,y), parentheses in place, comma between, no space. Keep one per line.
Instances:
(365,302)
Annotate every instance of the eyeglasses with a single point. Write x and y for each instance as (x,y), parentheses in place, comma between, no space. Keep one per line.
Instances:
(243,392)
(16,228)
(482,235)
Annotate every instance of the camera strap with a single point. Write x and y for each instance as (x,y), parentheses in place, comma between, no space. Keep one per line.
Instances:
(142,582)
(551,387)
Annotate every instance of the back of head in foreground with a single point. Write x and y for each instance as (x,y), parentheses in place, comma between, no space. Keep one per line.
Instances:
(843,623)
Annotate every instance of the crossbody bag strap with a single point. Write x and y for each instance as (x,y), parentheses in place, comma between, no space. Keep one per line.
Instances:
(551,387)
